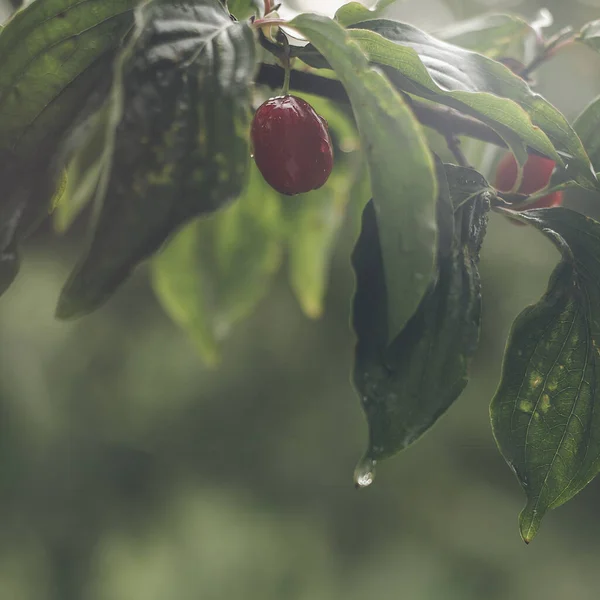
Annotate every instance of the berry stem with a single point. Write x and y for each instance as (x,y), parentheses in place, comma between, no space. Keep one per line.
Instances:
(287,64)
(286,80)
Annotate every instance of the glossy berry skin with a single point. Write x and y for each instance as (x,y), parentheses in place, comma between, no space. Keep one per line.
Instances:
(536,175)
(292,146)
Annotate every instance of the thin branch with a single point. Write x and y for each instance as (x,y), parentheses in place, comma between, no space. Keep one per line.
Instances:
(446,121)
(454,147)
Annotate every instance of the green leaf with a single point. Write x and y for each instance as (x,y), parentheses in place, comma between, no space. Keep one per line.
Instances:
(400,165)
(215,271)
(243,9)
(590,35)
(248,250)
(84,171)
(313,220)
(355,12)
(182,104)
(474,84)
(587,126)
(52,54)
(495,35)
(407,385)
(56,61)
(313,223)
(180,285)
(545,415)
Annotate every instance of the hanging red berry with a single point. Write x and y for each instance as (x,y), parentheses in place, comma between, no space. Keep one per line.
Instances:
(292,147)
(536,175)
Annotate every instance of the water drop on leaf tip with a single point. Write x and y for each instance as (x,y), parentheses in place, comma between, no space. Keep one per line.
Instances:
(364,474)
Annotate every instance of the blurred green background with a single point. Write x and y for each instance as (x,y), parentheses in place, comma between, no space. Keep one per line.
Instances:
(129,471)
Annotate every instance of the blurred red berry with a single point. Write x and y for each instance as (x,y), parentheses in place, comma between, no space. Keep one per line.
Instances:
(292,146)
(536,175)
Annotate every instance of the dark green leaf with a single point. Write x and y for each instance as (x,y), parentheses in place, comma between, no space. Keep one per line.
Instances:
(56,58)
(587,126)
(590,35)
(495,35)
(407,385)
(545,413)
(53,53)
(181,143)
(214,272)
(400,165)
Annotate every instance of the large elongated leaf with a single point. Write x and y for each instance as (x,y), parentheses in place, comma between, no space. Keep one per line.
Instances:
(84,170)
(313,223)
(56,59)
(587,126)
(52,55)
(313,220)
(181,143)
(422,65)
(214,271)
(407,385)
(400,165)
(545,414)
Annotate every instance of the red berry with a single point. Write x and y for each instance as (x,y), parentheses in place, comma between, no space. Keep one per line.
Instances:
(292,147)
(536,175)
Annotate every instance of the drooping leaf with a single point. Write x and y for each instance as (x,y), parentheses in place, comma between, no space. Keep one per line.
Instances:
(407,385)
(472,83)
(545,413)
(215,271)
(181,285)
(587,126)
(182,104)
(56,61)
(495,35)
(355,12)
(400,165)
(313,223)
(248,250)
(590,35)
(313,220)
(84,170)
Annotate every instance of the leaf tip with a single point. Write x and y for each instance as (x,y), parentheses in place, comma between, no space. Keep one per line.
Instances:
(313,309)
(364,474)
(529,522)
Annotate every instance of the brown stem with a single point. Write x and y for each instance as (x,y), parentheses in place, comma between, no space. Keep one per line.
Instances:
(563,38)
(447,121)
(454,147)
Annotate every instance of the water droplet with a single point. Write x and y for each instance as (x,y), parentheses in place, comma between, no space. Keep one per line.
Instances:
(252,156)
(364,474)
